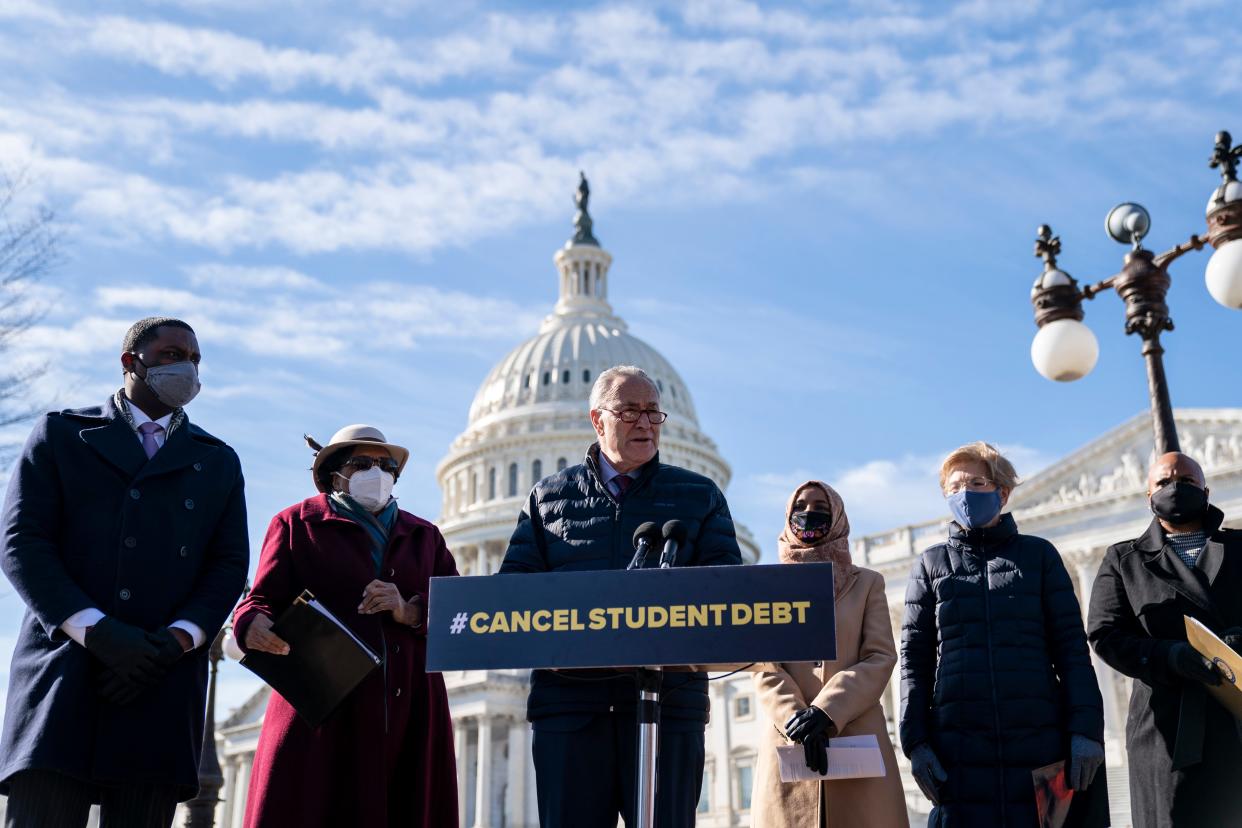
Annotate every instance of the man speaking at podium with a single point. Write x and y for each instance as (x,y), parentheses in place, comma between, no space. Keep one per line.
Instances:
(584,518)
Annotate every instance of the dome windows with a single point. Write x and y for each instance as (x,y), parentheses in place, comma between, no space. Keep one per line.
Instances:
(586,375)
(536,472)
(513,479)
(565,376)
(561,463)
(547,377)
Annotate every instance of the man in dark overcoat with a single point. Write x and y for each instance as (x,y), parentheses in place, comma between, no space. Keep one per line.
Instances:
(583,518)
(1185,749)
(124,531)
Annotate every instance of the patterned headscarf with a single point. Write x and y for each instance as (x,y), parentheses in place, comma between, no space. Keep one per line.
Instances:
(835,547)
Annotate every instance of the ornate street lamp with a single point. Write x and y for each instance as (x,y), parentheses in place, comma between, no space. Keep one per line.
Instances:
(201,810)
(1065,349)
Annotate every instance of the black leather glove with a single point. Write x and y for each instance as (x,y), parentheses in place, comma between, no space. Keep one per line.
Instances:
(816,750)
(1185,661)
(130,659)
(810,721)
(1233,638)
(927,771)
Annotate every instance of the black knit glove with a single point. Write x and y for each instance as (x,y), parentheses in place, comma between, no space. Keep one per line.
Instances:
(927,771)
(1185,661)
(131,661)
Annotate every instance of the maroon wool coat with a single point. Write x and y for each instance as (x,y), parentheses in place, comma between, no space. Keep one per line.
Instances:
(385,756)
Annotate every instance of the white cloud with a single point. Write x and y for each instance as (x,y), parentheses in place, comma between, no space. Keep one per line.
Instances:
(474,127)
(242,278)
(267,311)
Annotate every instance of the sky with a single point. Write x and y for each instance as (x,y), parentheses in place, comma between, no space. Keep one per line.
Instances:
(821,213)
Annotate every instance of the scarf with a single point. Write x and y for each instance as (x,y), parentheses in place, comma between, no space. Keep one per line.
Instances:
(835,547)
(122,404)
(378,525)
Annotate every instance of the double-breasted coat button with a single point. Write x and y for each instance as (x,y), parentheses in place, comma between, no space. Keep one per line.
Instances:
(131,542)
(398,693)
(198,467)
(392,572)
(189,504)
(185,550)
(396,648)
(135,494)
(125,593)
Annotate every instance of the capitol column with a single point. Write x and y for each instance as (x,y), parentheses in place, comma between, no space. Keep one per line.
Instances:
(461,744)
(1086,565)
(722,775)
(483,776)
(519,757)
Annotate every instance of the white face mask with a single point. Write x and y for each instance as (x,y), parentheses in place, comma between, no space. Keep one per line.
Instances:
(371,488)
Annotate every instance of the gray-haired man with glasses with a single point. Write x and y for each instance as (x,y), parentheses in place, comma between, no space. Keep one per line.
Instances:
(583,518)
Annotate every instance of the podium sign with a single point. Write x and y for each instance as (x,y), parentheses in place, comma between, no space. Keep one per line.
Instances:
(635,618)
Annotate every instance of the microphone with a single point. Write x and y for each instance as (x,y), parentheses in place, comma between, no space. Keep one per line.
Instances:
(643,536)
(674,536)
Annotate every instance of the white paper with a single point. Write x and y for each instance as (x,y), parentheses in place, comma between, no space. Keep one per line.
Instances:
(849,757)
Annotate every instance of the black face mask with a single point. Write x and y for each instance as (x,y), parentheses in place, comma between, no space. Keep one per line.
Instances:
(1179,502)
(810,526)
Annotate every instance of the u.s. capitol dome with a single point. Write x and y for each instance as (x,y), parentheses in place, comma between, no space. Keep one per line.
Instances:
(529,417)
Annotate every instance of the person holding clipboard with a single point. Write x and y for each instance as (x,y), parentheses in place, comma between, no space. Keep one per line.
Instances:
(384,755)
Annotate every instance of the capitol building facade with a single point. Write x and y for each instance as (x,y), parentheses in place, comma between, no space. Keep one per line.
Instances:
(529,419)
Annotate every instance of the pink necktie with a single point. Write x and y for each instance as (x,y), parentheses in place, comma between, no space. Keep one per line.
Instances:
(622,482)
(148,432)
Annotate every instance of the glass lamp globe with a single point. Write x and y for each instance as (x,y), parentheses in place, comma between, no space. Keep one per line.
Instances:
(1064,350)
(1224,274)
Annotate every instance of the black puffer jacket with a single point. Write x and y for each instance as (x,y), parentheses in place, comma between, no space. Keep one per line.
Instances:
(995,673)
(572,523)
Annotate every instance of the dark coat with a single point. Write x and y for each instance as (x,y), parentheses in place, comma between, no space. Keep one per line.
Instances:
(1140,596)
(90,522)
(573,523)
(385,756)
(995,671)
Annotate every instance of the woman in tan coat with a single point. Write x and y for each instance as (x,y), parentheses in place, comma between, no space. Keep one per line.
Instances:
(814,701)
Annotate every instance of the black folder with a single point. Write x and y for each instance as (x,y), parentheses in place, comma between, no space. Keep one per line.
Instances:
(326,661)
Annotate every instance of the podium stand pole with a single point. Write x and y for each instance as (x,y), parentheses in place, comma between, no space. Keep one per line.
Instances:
(648,715)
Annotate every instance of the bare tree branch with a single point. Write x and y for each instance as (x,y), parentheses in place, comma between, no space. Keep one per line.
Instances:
(30,249)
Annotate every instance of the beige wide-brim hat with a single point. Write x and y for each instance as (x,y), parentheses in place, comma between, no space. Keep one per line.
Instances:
(357,435)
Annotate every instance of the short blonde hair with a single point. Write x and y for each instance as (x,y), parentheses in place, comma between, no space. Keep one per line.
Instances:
(1000,470)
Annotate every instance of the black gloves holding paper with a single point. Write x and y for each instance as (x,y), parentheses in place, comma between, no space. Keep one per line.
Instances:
(812,727)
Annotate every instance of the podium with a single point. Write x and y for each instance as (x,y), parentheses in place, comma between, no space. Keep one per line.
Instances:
(724,617)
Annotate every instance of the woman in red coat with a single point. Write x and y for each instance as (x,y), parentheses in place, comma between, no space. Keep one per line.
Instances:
(385,756)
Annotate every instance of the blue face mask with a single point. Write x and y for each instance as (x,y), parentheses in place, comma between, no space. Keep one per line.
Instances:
(974,510)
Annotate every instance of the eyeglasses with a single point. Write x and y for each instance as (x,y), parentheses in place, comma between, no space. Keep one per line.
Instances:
(631,415)
(976,484)
(364,463)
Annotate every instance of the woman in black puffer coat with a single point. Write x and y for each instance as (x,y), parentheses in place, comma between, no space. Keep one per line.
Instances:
(996,677)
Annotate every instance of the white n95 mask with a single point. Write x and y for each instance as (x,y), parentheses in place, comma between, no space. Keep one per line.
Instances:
(371,488)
